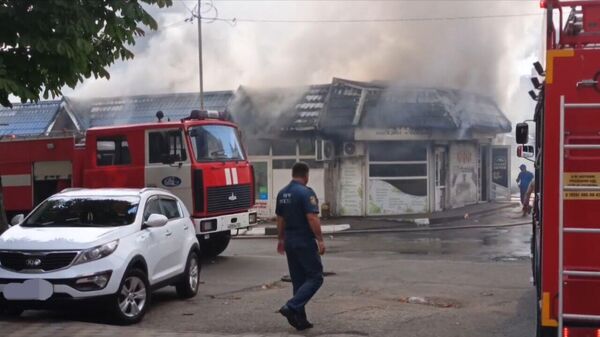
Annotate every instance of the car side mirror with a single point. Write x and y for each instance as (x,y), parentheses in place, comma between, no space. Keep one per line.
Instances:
(522,133)
(17,219)
(156,220)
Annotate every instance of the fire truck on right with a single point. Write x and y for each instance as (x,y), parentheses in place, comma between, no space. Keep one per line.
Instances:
(566,151)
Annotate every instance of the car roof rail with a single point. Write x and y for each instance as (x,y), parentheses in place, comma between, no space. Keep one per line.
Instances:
(71,189)
(146,189)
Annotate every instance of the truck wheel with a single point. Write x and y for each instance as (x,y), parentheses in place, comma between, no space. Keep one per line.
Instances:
(130,303)
(215,245)
(188,286)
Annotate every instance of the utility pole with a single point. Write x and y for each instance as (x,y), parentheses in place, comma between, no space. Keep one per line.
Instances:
(199,17)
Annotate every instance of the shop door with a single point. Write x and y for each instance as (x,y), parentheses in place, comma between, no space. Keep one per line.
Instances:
(441,170)
(262,180)
(501,170)
(483,172)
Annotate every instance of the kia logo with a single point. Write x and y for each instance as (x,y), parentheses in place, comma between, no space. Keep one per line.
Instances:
(33,262)
(232,197)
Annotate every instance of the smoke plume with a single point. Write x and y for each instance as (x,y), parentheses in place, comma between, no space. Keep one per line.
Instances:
(488,56)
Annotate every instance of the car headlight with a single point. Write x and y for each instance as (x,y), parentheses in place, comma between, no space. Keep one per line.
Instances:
(97,252)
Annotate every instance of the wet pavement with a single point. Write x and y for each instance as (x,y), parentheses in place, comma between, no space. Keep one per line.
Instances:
(470,282)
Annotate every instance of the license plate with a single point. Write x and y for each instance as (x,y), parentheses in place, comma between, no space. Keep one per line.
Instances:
(36,289)
(233,225)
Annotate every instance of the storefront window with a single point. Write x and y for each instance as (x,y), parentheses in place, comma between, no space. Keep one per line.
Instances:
(279,164)
(284,147)
(397,178)
(261,180)
(257,147)
(397,151)
(307,147)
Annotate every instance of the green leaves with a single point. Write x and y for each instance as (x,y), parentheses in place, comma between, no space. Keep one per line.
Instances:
(52,43)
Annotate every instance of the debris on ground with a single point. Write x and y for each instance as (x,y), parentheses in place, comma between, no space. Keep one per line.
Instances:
(437,302)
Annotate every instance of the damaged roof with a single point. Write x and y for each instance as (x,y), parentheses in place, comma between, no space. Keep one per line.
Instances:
(28,119)
(364,105)
(271,111)
(335,109)
(107,111)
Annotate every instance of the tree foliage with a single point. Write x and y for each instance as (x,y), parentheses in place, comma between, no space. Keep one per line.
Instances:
(48,44)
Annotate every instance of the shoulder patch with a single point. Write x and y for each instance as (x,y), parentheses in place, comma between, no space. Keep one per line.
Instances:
(313,200)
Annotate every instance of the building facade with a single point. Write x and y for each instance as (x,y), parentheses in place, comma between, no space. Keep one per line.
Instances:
(374,148)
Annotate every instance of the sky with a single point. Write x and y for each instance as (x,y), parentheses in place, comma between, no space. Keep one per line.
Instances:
(492,55)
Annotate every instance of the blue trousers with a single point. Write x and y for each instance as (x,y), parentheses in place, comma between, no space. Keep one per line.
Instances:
(306,271)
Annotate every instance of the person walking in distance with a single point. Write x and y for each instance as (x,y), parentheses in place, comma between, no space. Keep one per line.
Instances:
(524,179)
(301,240)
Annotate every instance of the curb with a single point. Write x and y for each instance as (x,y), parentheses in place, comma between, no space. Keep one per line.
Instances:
(401,230)
(272,231)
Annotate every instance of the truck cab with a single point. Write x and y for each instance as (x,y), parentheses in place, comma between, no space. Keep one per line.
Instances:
(200,159)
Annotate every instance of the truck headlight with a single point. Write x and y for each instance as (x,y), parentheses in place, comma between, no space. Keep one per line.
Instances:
(97,252)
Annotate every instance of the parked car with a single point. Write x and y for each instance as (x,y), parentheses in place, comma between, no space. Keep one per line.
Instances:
(113,245)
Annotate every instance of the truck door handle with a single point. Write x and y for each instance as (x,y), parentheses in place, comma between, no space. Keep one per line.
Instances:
(168,233)
(185,227)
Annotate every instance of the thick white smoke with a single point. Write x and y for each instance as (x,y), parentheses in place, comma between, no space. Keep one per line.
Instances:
(489,56)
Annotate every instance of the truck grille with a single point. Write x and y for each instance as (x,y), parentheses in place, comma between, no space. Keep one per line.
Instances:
(227,198)
(45,261)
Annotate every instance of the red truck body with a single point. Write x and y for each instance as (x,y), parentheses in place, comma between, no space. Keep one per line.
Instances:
(566,245)
(200,160)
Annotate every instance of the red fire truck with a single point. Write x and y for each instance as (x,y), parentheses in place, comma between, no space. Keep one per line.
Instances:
(566,222)
(200,159)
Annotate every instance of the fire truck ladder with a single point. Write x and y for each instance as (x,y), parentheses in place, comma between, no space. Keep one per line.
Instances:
(566,230)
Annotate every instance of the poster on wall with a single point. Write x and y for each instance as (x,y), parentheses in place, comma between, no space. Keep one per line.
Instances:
(463,174)
(351,190)
(385,198)
(500,172)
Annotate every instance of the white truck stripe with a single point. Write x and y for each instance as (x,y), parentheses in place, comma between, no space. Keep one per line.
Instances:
(234,175)
(228,176)
(16,180)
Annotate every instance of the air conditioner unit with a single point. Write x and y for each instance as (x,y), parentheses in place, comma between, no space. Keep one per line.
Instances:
(353,149)
(325,150)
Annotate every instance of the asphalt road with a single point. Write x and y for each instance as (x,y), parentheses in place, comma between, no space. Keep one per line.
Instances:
(473,282)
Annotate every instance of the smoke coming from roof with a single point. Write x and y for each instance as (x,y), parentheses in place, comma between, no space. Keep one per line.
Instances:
(488,56)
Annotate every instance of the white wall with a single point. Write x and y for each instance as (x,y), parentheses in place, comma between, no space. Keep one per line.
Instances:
(351,187)
(464,174)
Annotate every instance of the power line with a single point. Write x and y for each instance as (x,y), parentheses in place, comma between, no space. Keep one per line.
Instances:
(374,20)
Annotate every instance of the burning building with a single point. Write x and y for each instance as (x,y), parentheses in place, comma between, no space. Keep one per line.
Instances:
(374,148)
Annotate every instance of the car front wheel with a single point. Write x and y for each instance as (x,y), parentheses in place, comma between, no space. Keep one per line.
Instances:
(131,302)
(187,286)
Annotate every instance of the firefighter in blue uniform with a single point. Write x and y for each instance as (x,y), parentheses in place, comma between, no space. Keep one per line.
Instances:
(301,240)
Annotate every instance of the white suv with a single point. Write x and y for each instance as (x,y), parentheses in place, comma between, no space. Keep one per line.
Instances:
(116,245)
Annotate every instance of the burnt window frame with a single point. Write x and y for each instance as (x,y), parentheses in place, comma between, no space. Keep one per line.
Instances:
(418,160)
(119,158)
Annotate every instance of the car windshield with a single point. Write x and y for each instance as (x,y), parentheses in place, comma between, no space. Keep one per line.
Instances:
(86,211)
(215,143)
